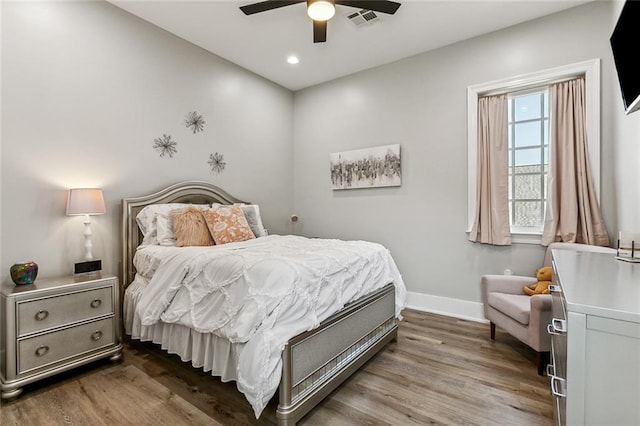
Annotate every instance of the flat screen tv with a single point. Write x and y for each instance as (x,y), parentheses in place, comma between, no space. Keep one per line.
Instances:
(625,54)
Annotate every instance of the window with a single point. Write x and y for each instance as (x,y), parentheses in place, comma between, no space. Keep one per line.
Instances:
(528,121)
(528,110)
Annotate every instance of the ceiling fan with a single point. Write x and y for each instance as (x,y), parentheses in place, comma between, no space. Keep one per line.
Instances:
(322,10)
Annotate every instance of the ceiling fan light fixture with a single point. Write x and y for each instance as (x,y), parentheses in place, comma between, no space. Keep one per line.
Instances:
(321,10)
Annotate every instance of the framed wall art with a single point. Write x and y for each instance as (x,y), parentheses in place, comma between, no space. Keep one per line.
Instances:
(366,168)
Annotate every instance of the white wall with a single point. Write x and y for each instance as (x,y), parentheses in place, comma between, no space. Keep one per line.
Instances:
(623,134)
(86,89)
(420,103)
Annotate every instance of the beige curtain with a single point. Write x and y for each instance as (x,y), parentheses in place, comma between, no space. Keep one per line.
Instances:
(491,220)
(572,213)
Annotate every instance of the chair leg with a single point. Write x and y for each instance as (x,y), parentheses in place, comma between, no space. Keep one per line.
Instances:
(493,331)
(542,359)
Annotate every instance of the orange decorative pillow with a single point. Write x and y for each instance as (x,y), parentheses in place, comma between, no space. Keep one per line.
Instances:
(227,224)
(190,227)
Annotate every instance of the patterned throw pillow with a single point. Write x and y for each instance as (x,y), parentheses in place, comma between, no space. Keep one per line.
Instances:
(227,224)
(190,227)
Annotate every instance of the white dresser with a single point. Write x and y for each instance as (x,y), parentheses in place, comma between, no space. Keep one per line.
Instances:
(595,365)
(54,325)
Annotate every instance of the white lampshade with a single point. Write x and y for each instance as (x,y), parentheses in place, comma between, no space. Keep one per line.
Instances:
(88,201)
(321,10)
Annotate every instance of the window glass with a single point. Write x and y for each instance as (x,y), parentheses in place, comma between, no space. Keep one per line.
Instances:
(527,214)
(534,168)
(528,158)
(527,134)
(527,107)
(528,187)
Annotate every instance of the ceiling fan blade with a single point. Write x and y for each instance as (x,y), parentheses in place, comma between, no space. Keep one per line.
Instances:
(389,7)
(263,6)
(319,31)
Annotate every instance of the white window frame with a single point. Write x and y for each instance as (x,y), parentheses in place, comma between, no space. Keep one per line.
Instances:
(589,69)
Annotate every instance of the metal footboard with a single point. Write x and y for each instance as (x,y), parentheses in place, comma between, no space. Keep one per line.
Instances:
(318,361)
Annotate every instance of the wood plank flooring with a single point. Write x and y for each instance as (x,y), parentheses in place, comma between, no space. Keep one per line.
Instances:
(441,371)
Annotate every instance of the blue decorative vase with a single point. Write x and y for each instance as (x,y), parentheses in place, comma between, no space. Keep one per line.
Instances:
(24,273)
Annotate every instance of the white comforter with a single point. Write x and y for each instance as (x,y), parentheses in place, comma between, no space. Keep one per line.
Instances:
(260,293)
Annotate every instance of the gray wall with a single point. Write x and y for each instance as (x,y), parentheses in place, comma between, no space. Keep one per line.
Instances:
(86,87)
(420,103)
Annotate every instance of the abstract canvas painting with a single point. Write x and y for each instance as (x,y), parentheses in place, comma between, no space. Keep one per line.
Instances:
(366,168)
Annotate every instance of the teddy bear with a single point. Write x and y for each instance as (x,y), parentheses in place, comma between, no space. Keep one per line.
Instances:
(544,280)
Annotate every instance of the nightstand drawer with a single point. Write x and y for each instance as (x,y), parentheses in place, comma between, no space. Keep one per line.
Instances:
(49,348)
(50,312)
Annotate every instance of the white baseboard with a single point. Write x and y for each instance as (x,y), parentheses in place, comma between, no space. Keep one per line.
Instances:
(463,309)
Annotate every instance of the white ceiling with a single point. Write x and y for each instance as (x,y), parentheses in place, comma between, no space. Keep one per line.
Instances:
(262,42)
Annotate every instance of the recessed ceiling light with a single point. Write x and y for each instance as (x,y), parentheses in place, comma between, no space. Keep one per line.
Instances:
(293,59)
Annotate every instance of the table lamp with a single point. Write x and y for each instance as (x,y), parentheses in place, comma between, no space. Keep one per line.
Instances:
(87,202)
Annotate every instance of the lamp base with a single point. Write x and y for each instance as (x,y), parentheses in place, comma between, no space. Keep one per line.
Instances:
(88,266)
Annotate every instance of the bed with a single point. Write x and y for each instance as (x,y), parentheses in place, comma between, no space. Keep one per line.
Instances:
(276,314)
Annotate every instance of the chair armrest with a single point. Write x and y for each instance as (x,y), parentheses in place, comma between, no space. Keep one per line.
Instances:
(511,284)
(539,319)
(541,303)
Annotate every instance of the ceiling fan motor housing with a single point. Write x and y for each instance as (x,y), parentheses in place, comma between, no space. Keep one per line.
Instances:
(320,22)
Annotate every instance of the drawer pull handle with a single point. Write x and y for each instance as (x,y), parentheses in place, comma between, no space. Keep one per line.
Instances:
(41,315)
(557,382)
(551,370)
(557,327)
(95,303)
(554,289)
(42,350)
(96,335)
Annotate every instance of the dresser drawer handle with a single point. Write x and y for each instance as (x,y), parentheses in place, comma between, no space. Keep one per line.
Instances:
(42,350)
(551,370)
(555,289)
(557,327)
(41,315)
(96,335)
(95,303)
(557,382)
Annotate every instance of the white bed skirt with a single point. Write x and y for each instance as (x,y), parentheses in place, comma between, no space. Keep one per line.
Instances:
(208,351)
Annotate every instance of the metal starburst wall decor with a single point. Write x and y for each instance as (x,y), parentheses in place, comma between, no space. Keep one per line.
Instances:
(165,145)
(194,121)
(216,162)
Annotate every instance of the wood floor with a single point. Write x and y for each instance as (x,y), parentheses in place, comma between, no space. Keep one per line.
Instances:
(441,371)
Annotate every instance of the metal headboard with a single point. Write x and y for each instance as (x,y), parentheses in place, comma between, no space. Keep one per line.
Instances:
(193,192)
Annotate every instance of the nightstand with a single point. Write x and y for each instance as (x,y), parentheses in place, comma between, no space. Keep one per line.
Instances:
(54,325)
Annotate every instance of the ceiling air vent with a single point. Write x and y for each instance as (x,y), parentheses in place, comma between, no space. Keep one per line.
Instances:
(363,17)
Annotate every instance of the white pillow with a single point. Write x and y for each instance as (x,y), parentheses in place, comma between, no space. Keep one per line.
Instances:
(155,224)
(252,213)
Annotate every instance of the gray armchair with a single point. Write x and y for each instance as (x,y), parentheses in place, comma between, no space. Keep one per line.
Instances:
(524,317)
